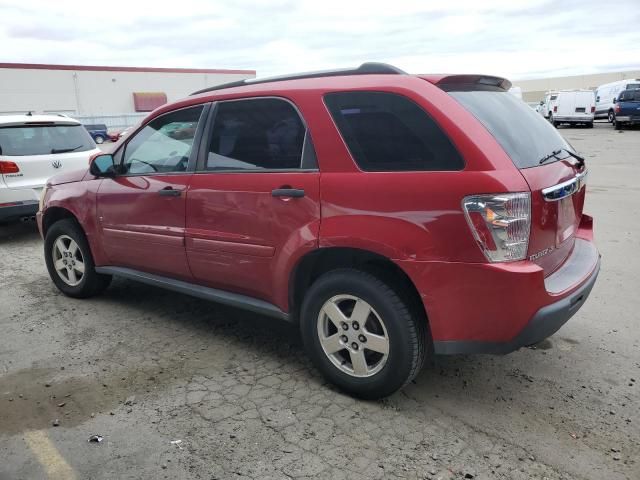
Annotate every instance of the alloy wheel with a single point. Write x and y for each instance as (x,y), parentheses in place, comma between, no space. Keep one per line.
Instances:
(353,336)
(68,260)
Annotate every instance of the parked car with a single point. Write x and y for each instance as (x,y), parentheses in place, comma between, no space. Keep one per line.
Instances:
(385,215)
(98,132)
(546,104)
(32,149)
(573,107)
(607,94)
(627,108)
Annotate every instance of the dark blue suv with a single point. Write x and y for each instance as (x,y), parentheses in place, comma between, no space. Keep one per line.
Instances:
(98,132)
(627,108)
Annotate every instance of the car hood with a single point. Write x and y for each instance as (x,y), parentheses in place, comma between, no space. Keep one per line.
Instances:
(69,177)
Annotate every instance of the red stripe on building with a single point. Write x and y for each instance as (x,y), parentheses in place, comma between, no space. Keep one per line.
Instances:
(97,68)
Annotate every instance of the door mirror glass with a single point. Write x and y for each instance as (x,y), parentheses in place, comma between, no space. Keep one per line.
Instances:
(102,165)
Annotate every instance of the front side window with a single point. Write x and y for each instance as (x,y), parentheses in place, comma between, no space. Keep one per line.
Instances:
(388,132)
(44,140)
(256,134)
(164,145)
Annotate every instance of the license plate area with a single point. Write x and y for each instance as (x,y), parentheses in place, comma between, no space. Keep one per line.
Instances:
(567,220)
(580,110)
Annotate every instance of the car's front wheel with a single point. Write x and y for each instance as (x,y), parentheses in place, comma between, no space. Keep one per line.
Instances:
(99,139)
(69,261)
(361,334)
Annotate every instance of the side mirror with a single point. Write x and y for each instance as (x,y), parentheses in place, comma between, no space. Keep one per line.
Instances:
(101,165)
(614,100)
(597,99)
(541,102)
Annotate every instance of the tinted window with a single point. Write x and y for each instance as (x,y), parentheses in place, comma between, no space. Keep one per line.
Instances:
(525,135)
(388,132)
(256,134)
(631,86)
(44,140)
(164,145)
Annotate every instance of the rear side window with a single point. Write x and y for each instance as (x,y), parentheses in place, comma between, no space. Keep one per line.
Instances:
(256,134)
(44,140)
(523,134)
(387,132)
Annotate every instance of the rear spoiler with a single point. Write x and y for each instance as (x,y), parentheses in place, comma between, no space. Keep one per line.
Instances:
(444,81)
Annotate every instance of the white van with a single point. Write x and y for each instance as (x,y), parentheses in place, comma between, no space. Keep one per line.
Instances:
(606,97)
(547,103)
(573,107)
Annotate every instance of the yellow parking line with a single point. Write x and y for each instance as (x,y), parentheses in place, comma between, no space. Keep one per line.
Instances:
(48,455)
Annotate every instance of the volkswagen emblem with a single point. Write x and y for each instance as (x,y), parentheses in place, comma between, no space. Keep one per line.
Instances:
(56,164)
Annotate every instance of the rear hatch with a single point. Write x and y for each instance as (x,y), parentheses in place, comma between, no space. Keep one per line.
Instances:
(40,150)
(544,160)
(629,105)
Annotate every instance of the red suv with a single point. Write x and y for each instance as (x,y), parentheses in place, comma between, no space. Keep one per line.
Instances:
(387,215)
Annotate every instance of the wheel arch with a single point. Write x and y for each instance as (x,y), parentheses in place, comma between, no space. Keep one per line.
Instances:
(312,265)
(55,214)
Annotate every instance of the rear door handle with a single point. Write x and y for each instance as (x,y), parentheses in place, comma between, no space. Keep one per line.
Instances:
(288,192)
(169,192)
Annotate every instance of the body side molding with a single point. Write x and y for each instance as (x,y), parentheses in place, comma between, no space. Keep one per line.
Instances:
(220,296)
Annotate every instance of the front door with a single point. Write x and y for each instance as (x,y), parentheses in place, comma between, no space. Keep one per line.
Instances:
(142,210)
(253,204)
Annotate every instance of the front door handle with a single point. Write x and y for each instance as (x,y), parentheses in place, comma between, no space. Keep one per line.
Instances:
(288,192)
(169,192)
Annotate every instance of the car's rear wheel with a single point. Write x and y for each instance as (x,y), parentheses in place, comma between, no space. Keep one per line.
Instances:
(590,125)
(99,139)
(361,334)
(69,261)
(611,117)
(552,121)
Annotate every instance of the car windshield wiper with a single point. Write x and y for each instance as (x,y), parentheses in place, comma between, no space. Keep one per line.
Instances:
(551,155)
(65,150)
(580,159)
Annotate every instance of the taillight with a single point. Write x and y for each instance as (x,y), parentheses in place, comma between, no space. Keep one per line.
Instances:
(500,223)
(555,108)
(8,167)
(617,108)
(593,109)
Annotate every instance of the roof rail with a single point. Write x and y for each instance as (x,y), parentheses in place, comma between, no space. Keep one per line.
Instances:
(367,68)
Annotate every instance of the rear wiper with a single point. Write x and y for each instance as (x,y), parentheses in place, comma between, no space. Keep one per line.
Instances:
(547,157)
(65,150)
(580,159)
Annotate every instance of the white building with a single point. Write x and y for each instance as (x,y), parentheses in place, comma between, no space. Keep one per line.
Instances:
(96,94)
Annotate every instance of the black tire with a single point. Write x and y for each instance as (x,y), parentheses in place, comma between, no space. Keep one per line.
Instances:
(590,125)
(99,139)
(91,283)
(611,116)
(552,121)
(618,125)
(406,332)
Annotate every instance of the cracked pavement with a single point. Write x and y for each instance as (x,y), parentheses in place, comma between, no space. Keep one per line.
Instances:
(144,367)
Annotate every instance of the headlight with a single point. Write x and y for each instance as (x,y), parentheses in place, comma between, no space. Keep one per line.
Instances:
(42,195)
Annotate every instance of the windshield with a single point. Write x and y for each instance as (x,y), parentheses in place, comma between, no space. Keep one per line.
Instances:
(44,140)
(524,134)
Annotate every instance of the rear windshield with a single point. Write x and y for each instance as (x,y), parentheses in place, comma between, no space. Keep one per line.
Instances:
(44,140)
(631,86)
(523,133)
(629,96)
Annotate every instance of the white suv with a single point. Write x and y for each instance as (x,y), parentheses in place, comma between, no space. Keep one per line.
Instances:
(32,149)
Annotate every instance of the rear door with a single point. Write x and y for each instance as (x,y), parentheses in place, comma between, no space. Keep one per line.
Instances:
(43,149)
(141,211)
(253,203)
(527,139)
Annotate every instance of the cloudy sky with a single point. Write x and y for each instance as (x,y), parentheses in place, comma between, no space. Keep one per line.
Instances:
(516,38)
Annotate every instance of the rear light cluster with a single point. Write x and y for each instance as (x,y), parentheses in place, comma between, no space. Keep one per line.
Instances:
(617,108)
(8,167)
(593,109)
(555,109)
(500,223)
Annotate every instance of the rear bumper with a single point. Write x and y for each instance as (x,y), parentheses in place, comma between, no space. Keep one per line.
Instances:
(576,119)
(18,210)
(627,119)
(544,323)
(498,308)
